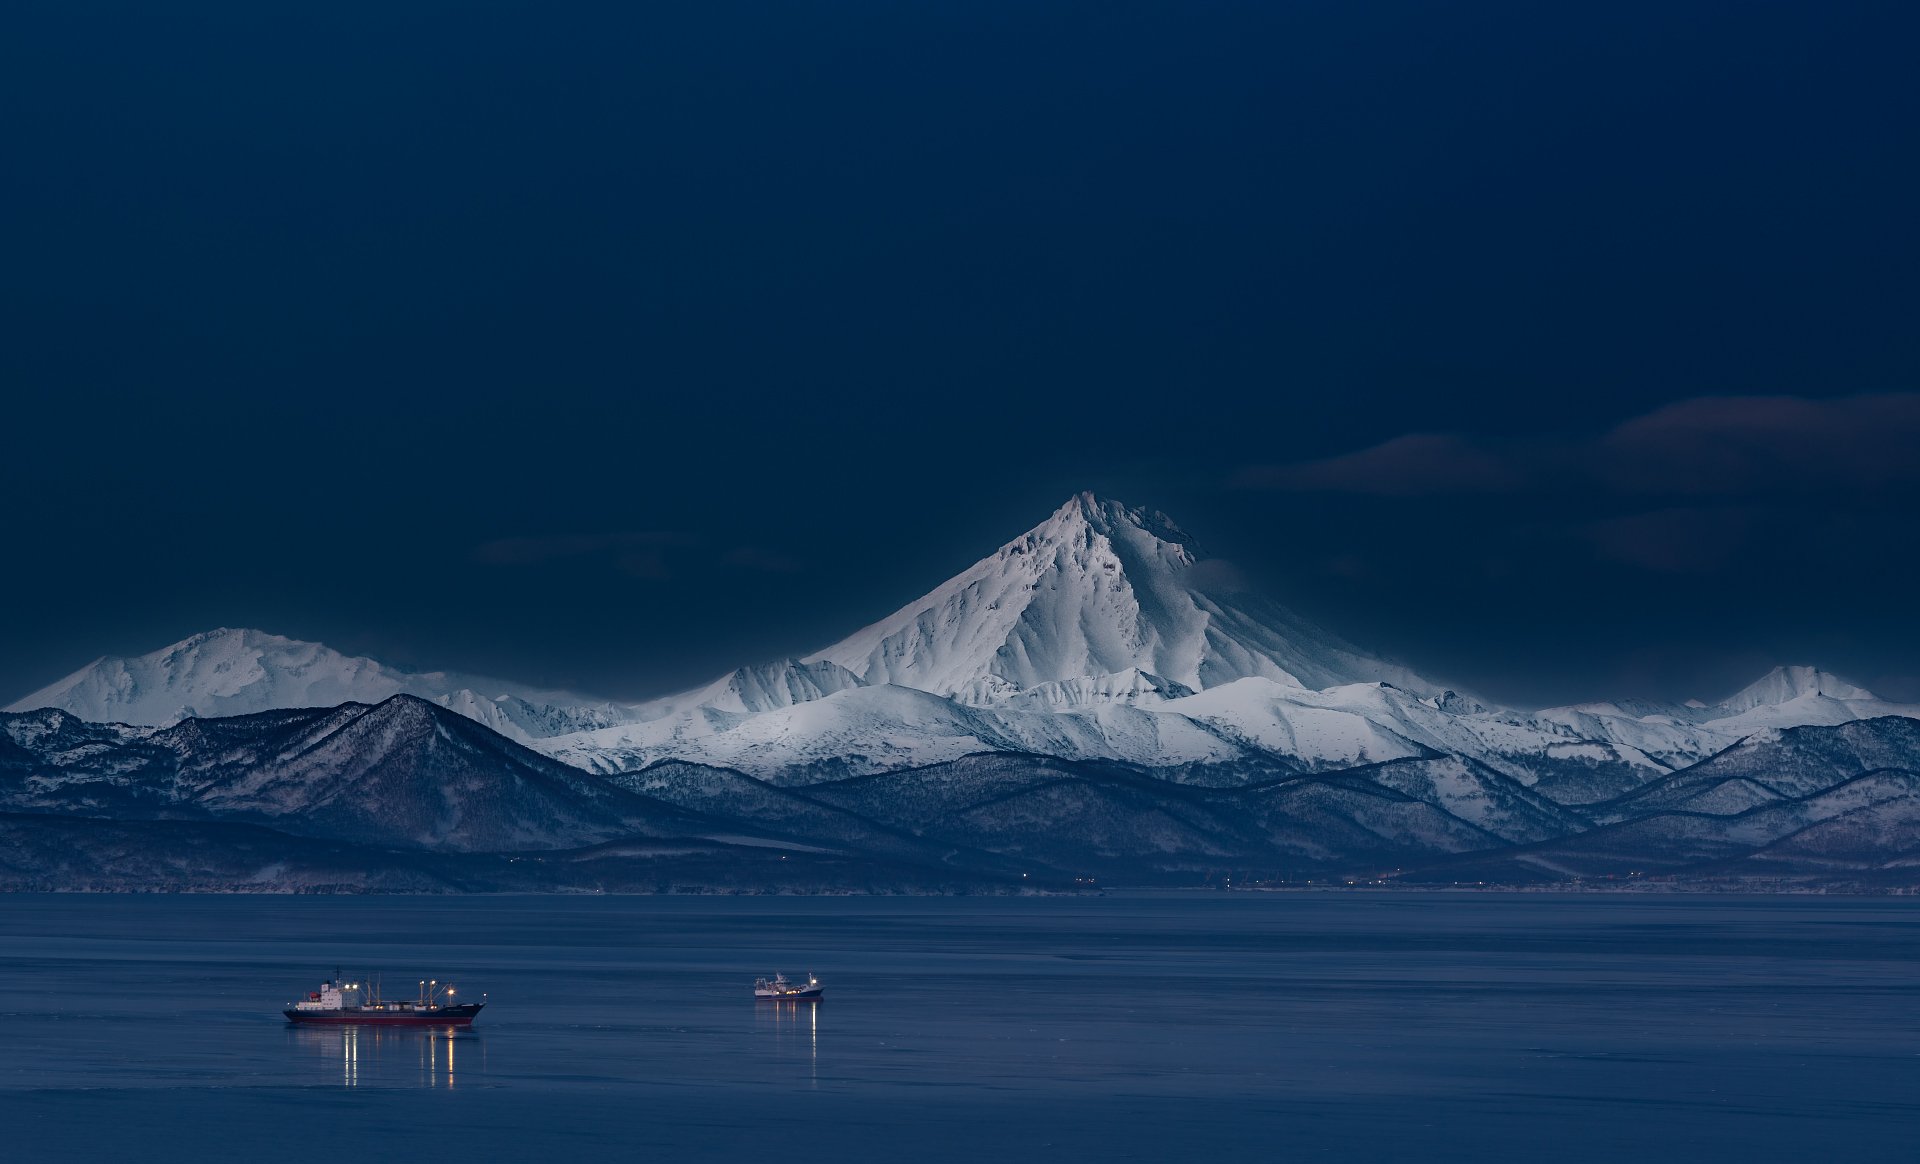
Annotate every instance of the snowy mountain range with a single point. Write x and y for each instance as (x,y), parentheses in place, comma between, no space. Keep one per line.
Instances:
(237,672)
(1101,635)
(1096,699)
(406,795)
(403,795)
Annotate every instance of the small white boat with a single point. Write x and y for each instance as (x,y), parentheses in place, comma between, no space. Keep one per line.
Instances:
(778,989)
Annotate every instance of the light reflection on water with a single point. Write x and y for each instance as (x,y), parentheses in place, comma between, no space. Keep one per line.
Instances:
(387,1056)
(431,1057)
(794,1030)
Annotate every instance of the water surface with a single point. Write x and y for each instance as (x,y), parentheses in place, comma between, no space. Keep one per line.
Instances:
(1338,1026)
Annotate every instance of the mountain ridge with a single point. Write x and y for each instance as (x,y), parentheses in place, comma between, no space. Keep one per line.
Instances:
(407,795)
(234,671)
(1103,633)
(403,772)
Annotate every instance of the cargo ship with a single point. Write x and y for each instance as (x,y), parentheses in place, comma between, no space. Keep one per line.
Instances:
(778,989)
(355,1002)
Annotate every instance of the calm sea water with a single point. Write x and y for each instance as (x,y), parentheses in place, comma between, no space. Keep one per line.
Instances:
(1128,1027)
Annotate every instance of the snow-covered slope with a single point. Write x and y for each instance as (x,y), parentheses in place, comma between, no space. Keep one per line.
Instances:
(1796,697)
(1249,728)
(764,687)
(236,672)
(1681,734)
(879,729)
(1812,803)
(1099,589)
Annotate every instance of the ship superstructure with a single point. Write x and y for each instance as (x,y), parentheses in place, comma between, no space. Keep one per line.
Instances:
(778,989)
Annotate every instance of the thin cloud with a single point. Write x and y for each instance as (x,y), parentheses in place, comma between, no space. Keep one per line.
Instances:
(1739,445)
(1724,446)
(1405,466)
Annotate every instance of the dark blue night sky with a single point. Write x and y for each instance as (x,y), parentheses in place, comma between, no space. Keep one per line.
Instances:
(1564,350)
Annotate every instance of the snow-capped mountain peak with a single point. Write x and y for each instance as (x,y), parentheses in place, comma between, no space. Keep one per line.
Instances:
(771,685)
(237,671)
(228,671)
(1794,697)
(1098,588)
(1788,683)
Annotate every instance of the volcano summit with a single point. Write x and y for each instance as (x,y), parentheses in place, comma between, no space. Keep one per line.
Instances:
(1103,599)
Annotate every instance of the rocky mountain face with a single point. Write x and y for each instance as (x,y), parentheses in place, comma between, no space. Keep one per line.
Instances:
(409,796)
(1811,805)
(406,795)
(404,773)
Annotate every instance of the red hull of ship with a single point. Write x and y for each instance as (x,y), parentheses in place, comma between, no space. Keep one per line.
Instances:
(386,1021)
(451,1017)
